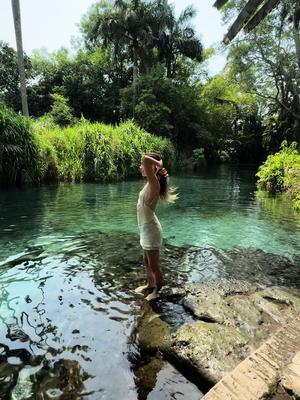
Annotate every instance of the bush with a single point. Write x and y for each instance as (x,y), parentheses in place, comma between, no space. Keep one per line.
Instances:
(60,110)
(281,173)
(18,149)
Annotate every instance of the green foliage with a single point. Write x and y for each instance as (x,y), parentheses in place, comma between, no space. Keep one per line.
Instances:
(167,107)
(266,61)
(171,98)
(89,80)
(9,76)
(142,33)
(297,203)
(232,129)
(18,149)
(96,152)
(152,114)
(281,172)
(277,130)
(60,110)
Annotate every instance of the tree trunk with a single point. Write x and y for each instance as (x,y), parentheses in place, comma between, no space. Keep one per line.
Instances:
(296,34)
(18,31)
(134,80)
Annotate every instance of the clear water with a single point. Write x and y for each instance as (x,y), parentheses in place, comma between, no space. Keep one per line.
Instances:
(74,300)
(218,207)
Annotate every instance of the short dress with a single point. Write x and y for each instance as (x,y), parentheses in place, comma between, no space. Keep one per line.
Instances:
(149,226)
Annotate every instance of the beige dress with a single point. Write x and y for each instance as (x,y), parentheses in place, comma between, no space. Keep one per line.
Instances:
(149,225)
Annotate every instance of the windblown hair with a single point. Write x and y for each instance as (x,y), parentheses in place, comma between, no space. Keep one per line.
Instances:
(166,192)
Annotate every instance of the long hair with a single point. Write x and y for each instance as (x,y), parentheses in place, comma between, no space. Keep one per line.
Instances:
(166,193)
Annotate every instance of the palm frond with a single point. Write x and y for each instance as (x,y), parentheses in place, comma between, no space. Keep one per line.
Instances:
(188,13)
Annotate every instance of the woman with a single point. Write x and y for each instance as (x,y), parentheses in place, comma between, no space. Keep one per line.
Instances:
(150,229)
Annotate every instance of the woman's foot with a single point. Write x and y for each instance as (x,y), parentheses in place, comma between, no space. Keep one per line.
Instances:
(143,289)
(154,295)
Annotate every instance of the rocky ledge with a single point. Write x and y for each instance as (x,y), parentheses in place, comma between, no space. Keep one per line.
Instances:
(206,329)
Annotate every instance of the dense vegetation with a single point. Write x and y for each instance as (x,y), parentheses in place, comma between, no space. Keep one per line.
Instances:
(137,61)
(40,151)
(281,173)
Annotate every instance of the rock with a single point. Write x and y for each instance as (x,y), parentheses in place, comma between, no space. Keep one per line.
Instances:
(147,374)
(152,332)
(210,349)
(260,267)
(8,379)
(64,375)
(279,304)
(232,318)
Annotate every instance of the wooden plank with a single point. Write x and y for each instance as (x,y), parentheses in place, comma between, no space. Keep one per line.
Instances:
(261,14)
(243,17)
(220,3)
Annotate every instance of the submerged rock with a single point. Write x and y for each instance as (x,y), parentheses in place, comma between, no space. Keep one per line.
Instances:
(152,332)
(62,378)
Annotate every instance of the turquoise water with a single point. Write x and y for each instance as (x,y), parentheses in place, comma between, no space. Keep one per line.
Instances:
(69,263)
(217,208)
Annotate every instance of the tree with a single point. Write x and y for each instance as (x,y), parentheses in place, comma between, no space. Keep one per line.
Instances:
(168,107)
(232,122)
(18,32)
(265,60)
(60,110)
(255,11)
(124,26)
(175,37)
(89,79)
(9,76)
(147,31)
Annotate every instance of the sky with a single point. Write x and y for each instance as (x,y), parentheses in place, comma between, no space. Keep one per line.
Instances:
(51,24)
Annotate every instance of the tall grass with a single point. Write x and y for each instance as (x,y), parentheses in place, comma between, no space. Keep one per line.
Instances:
(18,149)
(35,151)
(95,152)
(281,173)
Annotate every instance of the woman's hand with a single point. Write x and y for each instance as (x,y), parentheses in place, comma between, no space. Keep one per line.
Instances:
(163,172)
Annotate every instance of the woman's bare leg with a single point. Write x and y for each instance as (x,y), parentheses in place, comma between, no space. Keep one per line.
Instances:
(149,275)
(153,263)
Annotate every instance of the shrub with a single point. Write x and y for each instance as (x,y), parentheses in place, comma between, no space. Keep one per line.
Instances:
(61,111)
(281,172)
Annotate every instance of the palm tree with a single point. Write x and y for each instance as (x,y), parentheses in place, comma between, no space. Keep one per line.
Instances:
(137,27)
(125,27)
(176,37)
(18,32)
